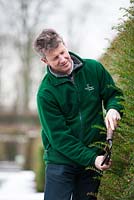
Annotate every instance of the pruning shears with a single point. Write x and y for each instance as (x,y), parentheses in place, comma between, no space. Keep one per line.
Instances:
(108,148)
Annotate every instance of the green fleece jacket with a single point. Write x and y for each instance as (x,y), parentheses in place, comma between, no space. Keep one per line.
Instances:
(71,113)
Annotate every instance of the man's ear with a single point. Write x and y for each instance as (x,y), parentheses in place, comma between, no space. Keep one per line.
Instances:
(44,60)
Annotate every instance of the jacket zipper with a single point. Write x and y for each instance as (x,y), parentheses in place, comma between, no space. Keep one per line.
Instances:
(80,114)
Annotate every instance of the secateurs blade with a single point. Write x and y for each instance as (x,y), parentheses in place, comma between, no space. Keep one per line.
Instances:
(108,148)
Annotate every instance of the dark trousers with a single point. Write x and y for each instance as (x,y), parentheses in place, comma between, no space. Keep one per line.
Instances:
(65,182)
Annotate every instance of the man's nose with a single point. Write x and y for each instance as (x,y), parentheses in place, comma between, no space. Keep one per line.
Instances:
(61,59)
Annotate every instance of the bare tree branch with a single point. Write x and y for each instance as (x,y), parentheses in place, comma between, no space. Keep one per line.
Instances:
(21,20)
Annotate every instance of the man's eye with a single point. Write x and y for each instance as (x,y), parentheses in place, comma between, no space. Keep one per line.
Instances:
(56,58)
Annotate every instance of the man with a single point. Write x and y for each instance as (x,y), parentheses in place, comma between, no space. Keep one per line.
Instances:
(70,99)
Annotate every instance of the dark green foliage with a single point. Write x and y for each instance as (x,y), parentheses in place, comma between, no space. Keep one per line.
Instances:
(118,183)
(40,173)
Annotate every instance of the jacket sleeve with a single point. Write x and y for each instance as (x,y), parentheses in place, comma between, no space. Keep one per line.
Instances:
(59,134)
(111,95)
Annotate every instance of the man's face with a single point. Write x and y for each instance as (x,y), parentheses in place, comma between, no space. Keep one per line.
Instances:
(59,59)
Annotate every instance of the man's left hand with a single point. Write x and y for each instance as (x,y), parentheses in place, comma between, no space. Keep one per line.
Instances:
(98,162)
(112,118)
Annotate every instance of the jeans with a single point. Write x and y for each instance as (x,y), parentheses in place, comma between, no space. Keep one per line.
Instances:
(67,182)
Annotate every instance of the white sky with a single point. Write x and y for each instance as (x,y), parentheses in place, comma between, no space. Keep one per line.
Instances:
(103,15)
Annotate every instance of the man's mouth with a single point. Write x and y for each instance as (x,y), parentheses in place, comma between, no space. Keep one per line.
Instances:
(65,64)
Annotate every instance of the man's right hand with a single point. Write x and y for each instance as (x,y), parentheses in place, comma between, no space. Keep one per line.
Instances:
(99,160)
(112,118)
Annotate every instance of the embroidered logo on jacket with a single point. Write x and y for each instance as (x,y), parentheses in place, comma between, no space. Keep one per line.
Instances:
(89,88)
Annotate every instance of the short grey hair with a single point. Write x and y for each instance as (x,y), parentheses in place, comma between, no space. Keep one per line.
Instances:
(47,40)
